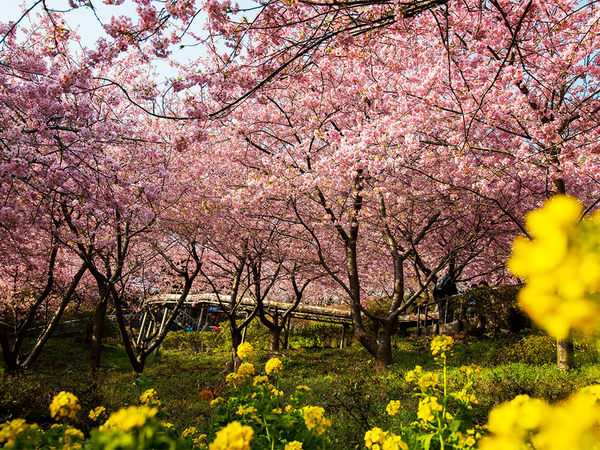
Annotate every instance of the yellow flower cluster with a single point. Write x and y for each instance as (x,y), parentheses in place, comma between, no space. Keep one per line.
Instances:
(294,445)
(466,398)
(216,402)
(189,431)
(64,404)
(230,379)
(274,365)
(393,407)
(532,423)
(246,369)
(245,350)
(468,440)
(150,398)
(234,436)
(314,418)
(427,406)
(275,392)
(127,418)
(428,380)
(561,267)
(412,375)
(72,439)
(243,410)
(260,379)
(440,345)
(470,370)
(377,439)
(302,387)
(10,431)
(97,413)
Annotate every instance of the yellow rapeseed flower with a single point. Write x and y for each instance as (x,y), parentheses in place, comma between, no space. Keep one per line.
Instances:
(412,375)
(314,418)
(216,402)
(260,379)
(97,413)
(375,437)
(189,432)
(561,267)
(428,380)
(128,418)
(393,407)
(231,379)
(302,387)
(440,345)
(246,369)
(245,350)
(427,407)
(12,429)
(294,445)
(394,442)
(274,365)
(64,404)
(234,436)
(150,398)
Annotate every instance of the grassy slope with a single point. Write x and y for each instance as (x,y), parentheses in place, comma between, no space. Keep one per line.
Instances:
(342,381)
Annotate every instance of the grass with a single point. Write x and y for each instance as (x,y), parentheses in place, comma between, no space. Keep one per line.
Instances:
(342,381)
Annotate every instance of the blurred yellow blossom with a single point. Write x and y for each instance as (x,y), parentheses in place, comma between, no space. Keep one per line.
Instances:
(294,445)
(561,267)
(427,406)
(314,418)
(127,418)
(234,436)
(374,438)
(394,442)
(11,430)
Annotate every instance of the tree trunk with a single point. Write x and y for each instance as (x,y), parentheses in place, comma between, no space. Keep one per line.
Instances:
(8,355)
(383,355)
(564,354)
(236,340)
(274,336)
(98,329)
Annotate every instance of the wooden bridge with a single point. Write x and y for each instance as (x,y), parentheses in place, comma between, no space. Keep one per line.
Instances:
(200,312)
